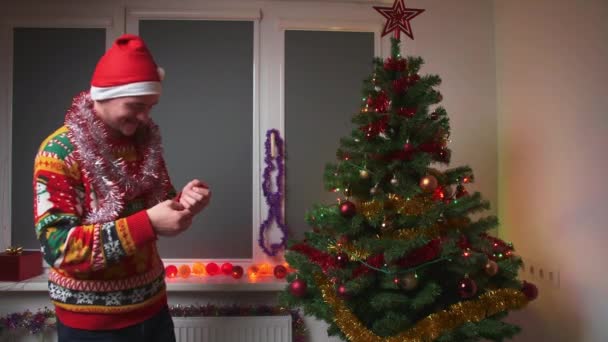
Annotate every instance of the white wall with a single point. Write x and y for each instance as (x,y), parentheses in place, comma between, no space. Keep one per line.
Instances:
(551,77)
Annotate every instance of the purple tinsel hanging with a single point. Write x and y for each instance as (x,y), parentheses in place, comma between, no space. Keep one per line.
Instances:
(273,199)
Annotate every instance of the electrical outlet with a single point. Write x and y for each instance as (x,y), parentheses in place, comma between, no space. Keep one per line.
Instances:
(539,274)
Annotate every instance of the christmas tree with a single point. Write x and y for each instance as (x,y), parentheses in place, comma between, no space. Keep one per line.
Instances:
(400,257)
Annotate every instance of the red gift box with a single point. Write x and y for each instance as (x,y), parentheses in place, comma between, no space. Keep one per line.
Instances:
(19,267)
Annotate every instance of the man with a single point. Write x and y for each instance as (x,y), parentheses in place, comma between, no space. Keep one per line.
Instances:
(102,197)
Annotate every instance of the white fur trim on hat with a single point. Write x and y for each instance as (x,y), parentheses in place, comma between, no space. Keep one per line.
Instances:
(131,89)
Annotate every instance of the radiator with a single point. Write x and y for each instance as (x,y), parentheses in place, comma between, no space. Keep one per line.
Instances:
(233,329)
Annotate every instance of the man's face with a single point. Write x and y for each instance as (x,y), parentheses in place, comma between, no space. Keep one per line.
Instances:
(124,115)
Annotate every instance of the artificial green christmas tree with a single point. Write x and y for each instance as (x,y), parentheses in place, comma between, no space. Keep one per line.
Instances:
(400,258)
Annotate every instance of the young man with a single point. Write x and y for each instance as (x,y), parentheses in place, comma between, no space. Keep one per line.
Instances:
(102,197)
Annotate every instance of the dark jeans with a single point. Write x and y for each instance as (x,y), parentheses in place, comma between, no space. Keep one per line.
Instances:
(158,328)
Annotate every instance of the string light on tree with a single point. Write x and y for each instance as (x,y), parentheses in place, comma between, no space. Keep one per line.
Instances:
(342,291)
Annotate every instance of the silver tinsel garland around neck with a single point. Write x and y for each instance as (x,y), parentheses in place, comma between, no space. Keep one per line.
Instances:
(111,178)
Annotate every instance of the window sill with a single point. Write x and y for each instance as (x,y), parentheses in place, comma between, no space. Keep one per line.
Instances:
(191,284)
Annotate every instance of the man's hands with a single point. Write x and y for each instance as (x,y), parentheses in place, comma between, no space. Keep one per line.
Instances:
(170,217)
(195,196)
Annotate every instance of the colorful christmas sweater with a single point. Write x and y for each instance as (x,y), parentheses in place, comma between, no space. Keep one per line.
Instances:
(92,224)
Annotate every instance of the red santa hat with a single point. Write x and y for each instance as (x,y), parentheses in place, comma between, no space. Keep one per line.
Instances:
(127,69)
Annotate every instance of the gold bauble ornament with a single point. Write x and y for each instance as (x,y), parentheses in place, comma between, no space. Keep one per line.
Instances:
(409,281)
(375,190)
(491,268)
(428,183)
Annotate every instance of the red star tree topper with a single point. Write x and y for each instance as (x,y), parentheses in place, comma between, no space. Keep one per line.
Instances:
(398,18)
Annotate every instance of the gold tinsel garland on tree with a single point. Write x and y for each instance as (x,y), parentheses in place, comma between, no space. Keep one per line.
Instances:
(430,327)
(414,206)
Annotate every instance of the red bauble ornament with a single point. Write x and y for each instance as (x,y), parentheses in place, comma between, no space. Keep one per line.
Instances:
(443,155)
(530,290)
(439,194)
(171,271)
(463,242)
(348,209)
(400,85)
(491,268)
(280,271)
(212,269)
(467,288)
(381,103)
(409,281)
(398,18)
(227,268)
(342,292)
(408,148)
(237,272)
(430,147)
(398,64)
(297,288)
(389,64)
(461,191)
(401,64)
(341,260)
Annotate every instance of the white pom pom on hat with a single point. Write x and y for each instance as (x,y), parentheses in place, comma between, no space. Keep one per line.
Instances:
(126,69)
